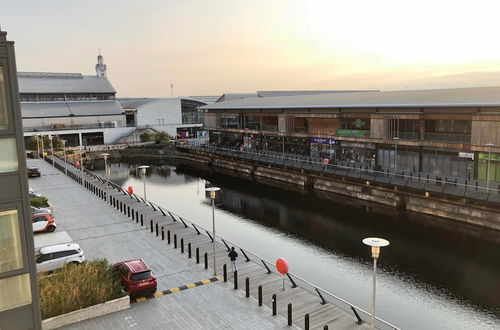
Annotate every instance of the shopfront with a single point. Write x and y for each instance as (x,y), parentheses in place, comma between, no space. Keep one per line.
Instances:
(226,139)
(482,168)
(252,142)
(448,162)
(324,148)
(359,153)
(290,145)
(407,158)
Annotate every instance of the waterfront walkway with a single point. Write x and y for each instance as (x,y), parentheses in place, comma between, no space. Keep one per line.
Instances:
(165,236)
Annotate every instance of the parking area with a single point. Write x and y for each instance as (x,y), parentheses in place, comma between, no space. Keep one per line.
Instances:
(103,232)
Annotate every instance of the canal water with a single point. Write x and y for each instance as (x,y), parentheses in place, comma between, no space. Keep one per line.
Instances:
(435,274)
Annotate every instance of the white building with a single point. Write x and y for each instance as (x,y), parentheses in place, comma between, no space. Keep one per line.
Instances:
(81,109)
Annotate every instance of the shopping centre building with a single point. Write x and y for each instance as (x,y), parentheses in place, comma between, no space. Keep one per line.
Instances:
(449,132)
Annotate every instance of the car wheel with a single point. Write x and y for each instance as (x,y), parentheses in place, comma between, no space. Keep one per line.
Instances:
(51,229)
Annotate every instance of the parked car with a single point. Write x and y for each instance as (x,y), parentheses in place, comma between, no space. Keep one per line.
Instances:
(55,256)
(39,210)
(43,222)
(137,278)
(33,194)
(34,172)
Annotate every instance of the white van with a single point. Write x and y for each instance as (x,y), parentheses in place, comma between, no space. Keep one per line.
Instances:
(55,256)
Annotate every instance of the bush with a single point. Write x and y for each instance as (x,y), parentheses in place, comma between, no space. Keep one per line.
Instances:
(75,287)
(39,202)
(162,138)
(146,136)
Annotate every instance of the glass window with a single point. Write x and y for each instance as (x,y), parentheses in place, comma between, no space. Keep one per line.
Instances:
(8,156)
(15,292)
(10,242)
(3,103)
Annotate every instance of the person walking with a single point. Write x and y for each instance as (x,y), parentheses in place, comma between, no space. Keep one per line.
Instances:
(233,255)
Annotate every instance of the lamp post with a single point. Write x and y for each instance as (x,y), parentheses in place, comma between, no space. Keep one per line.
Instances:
(213,191)
(81,148)
(375,243)
(51,148)
(396,139)
(65,160)
(43,155)
(283,137)
(37,147)
(489,145)
(105,155)
(143,169)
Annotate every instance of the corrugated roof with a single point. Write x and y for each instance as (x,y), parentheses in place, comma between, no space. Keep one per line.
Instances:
(296,93)
(135,103)
(49,82)
(478,96)
(235,96)
(65,109)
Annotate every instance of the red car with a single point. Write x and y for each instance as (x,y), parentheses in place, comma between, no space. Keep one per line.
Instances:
(43,222)
(137,277)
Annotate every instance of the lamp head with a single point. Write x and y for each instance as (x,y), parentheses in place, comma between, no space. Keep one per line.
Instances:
(375,243)
(212,191)
(105,155)
(143,169)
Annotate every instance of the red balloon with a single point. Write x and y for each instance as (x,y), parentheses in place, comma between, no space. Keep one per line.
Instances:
(130,190)
(282,265)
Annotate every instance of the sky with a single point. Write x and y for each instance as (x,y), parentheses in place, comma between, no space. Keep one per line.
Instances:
(228,46)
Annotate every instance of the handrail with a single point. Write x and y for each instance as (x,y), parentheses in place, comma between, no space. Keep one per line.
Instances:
(265,262)
(349,168)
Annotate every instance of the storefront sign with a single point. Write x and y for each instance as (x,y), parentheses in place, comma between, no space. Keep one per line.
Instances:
(216,133)
(354,132)
(202,134)
(494,157)
(323,141)
(469,155)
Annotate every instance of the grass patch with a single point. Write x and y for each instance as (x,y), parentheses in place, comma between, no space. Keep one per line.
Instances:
(75,287)
(39,202)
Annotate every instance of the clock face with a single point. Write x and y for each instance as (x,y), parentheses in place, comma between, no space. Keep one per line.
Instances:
(102,67)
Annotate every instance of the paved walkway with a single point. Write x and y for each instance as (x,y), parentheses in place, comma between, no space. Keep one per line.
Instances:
(102,232)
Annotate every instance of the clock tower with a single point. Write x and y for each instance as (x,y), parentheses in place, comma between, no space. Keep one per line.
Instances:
(100,67)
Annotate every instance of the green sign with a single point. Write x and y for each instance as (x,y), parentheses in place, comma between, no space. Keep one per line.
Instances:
(353,132)
(494,157)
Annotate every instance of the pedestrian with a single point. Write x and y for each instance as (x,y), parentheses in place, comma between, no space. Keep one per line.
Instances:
(233,255)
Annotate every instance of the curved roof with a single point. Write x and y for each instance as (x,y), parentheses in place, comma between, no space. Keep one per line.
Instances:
(458,97)
(49,82)
(65,109)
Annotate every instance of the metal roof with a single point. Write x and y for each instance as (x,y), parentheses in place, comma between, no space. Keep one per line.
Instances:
(133,103)
(296,93)
(65,109)
(458,97)
(49,82)
(235,96)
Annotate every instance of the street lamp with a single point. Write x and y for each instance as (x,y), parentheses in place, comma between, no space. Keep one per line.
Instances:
(81,148)
(213,191)
(375,243)
(43,155)
(396,139)
(489,145)
(143,169)
(105,155)
(65,160)
(51,149)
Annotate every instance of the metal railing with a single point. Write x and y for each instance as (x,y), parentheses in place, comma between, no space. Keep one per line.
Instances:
(249,256)
(315,164)
(447,137)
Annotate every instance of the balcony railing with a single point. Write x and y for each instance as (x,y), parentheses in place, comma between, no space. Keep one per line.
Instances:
(415,136)
(272,128)
(63,127)
(447,137)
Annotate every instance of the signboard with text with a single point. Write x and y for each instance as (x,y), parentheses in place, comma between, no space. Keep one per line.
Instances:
(323,140)
(354,132)
(469,155)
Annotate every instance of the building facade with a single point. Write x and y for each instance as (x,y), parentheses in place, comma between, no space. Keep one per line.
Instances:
(452,132)
(19,306)
(82,109)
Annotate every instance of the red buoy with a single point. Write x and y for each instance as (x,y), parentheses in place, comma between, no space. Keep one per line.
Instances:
(130,190)
(282,266)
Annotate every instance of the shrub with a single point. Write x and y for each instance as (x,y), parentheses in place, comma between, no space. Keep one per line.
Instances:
(146,136)
(75,287)
(162,138)
(39,201)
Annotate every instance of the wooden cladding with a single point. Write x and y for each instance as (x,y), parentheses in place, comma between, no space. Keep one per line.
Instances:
(484,132)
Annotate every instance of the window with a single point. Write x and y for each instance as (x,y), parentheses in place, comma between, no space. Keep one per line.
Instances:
(8,156)
(355,123)
(15,292)
(141,276)
(10,242)
(3,103)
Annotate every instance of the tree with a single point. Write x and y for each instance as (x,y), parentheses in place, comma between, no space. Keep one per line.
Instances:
(57,142)
(162,138)
(146,136)
(31,143)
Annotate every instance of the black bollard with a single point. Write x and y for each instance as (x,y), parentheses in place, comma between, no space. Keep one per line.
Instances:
(182,245)
(274,304)
(168,236)
(136,216)
(290,314)
(162,234)
(128,211)
(260,295)
(206,260)
(224,272)
(151,225)
(189,250)
(156,229)
(197,255)
(325,327)
(133,215)
(142,221)
(235,280)
(247,287)
(175,241)
(306,322)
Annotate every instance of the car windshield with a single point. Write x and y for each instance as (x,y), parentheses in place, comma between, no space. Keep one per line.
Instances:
(141,276)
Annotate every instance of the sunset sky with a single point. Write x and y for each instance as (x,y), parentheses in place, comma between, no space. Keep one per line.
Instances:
(212,47)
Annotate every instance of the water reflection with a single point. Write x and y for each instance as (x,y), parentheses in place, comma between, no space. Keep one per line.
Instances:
(430,262)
